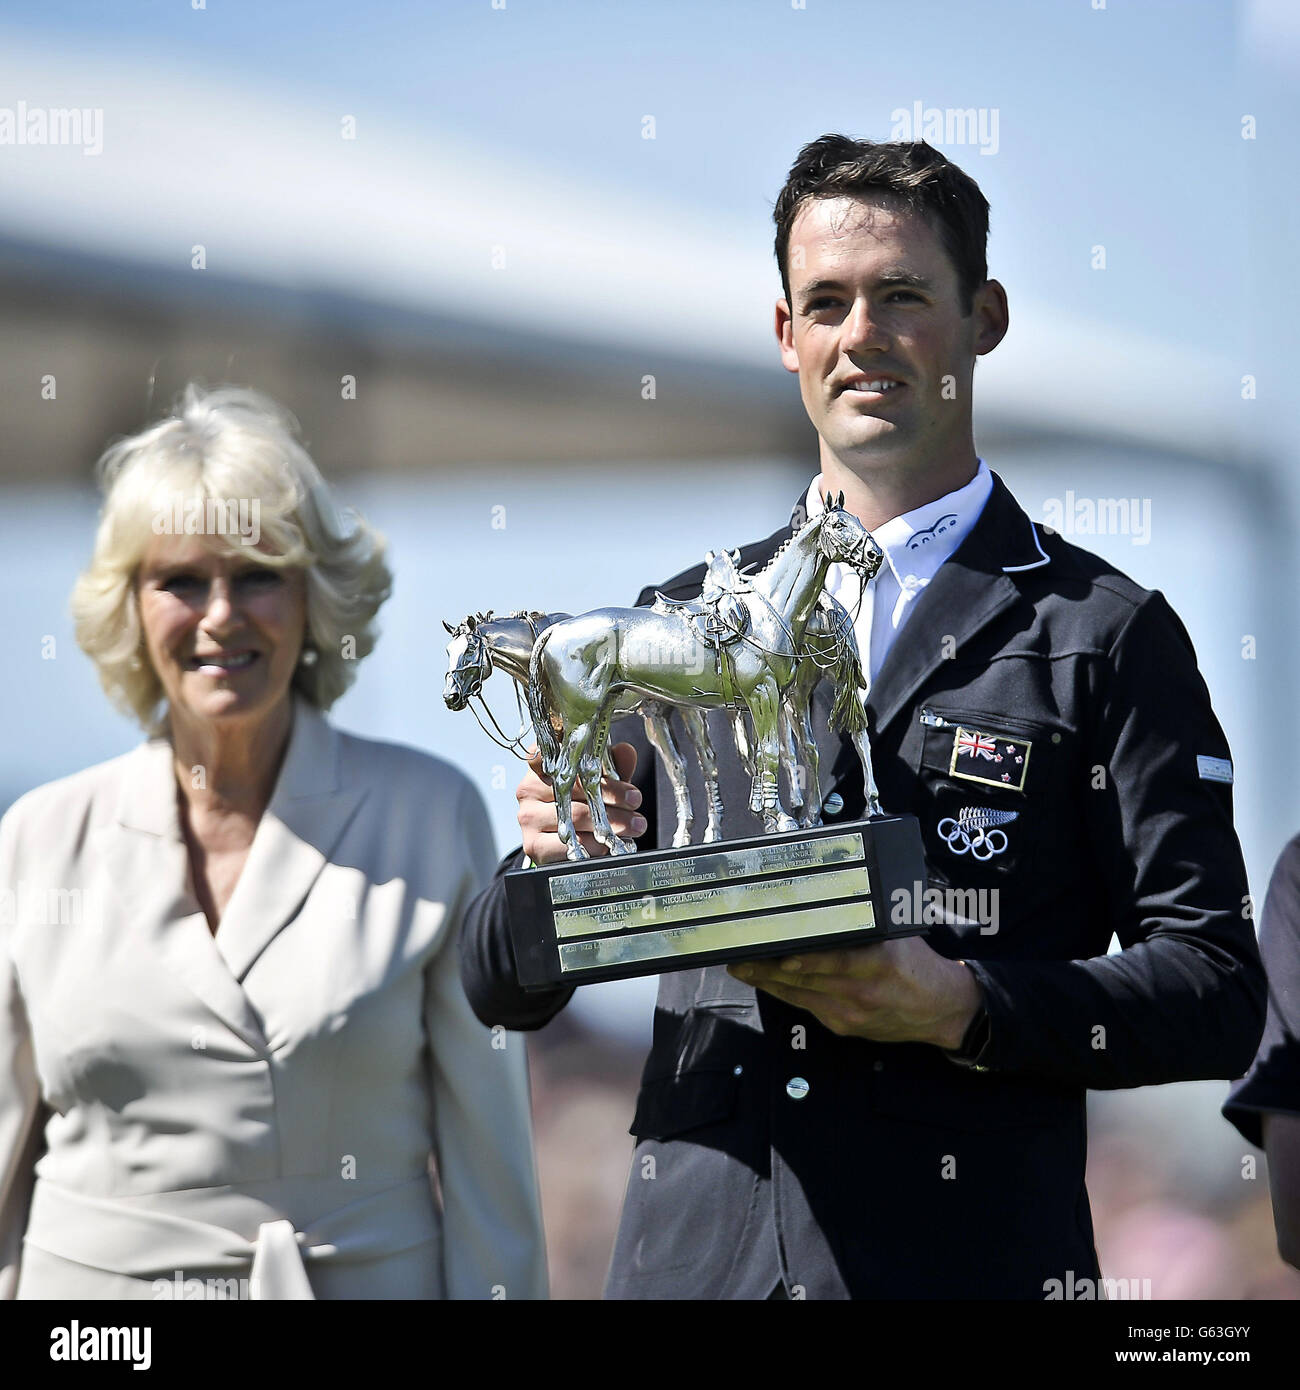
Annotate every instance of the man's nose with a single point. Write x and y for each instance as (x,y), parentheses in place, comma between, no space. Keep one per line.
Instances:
(861,332)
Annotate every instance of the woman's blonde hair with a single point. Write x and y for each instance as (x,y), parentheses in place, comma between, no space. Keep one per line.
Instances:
(227,456)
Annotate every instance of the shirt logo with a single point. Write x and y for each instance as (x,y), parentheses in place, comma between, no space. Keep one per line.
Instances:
(994,759)
(920,538)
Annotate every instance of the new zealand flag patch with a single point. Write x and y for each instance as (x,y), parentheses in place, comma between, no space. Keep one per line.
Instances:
(994,759)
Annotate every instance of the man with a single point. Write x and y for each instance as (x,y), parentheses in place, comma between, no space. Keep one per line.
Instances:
(907,1119)
(1265,1104)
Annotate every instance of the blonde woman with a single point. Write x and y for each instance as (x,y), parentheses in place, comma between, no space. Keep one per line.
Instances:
(232,1031)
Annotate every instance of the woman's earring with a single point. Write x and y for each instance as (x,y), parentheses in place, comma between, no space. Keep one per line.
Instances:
(309,657)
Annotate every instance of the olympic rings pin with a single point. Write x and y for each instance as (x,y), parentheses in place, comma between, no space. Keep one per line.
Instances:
(974,831)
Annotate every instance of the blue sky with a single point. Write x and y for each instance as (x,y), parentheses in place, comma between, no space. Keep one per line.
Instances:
(1117,126)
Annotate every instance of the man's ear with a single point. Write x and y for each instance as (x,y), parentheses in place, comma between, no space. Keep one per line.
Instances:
(992,317)
(784,325)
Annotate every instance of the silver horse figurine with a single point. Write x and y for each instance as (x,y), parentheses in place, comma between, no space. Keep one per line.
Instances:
(482,643)
(676,652)
(830,649)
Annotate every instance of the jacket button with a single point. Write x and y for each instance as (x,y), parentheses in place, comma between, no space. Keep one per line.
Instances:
(796,1088)
(877,1065)
(736,1071)
(833,804)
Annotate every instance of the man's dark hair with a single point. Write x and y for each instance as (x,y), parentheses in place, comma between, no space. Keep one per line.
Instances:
(833,166)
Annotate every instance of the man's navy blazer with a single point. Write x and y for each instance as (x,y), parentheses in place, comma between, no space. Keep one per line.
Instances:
(897,1171)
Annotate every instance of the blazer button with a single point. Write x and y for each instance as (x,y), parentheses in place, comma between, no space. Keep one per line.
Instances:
(796,1088)
(833,804)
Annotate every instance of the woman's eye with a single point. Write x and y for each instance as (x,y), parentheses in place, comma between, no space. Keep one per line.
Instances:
(259,578)
(180,583)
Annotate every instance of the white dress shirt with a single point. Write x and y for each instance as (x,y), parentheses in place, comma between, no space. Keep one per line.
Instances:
(915,545)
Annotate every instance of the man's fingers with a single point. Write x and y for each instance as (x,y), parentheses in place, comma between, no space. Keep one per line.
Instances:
(620,794)
(535,785)
(777,977)
(624,759)
(813,1000)
(550,849)
(621,822)
(539,816)
(616,795)
(533,788)
(861,962)
(542,817)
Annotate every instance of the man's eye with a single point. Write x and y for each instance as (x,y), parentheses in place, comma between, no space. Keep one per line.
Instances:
(909,294)
(816,304)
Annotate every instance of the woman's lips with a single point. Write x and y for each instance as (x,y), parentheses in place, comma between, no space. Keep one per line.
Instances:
(224,665)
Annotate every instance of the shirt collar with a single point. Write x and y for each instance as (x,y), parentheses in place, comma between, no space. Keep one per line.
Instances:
(918,542)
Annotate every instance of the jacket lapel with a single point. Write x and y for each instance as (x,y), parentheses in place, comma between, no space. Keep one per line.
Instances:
(969,590)
(149,900)
(308,812)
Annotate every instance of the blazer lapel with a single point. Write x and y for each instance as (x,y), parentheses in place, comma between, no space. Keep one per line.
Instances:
(149,901)
(308,812)
(969,590)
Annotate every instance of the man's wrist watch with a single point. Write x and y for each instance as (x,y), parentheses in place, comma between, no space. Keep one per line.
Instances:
(974,1041)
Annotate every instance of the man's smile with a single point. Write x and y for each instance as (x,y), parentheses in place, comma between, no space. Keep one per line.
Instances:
(871,389)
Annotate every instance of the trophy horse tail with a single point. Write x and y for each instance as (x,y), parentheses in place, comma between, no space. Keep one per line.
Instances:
(847,713)
(539,707)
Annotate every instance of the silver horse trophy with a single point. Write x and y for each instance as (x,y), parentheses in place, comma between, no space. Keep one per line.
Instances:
(482,643)
(829,651)
(756,646)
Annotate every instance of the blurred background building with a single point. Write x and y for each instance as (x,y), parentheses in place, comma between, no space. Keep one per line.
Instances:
(511,267)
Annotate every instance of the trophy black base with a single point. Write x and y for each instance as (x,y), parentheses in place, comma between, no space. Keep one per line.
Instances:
(577,923)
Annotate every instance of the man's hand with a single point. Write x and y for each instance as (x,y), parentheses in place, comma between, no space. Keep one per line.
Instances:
(538,819)
(897,991)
